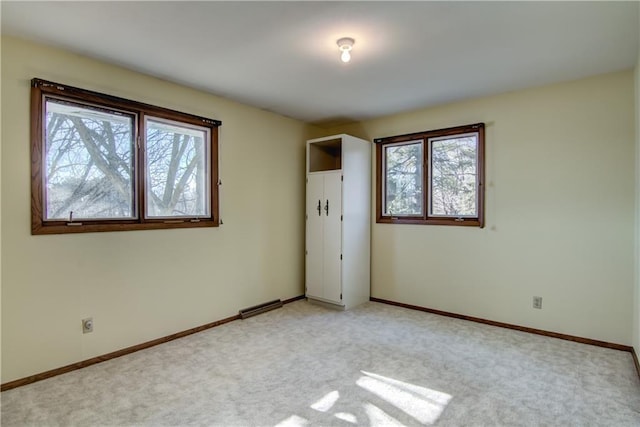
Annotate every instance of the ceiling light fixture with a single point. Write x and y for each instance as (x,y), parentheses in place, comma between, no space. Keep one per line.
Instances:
(346,44)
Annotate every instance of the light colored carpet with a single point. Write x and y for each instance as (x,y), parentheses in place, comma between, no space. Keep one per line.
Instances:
(373,365)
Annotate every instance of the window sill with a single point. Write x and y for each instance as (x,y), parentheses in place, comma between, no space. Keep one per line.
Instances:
(92,227)
(467,222)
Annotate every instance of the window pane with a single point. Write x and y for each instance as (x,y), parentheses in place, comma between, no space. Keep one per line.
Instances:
(177,169)
(89,156)
(403,179)
(454,176)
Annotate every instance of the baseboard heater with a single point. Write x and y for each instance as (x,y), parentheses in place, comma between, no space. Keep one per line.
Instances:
(260,308)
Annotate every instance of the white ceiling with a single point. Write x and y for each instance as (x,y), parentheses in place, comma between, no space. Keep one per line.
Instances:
(283,57)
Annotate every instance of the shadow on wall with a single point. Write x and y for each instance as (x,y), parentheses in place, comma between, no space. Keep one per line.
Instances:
(338,125)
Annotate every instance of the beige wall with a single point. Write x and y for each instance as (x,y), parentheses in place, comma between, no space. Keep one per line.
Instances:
(559,213)
(560,220)
(0,209)
(142,285)
(636,297)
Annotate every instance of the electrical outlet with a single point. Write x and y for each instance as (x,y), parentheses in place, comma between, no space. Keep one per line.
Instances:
(87,325)
(537,302)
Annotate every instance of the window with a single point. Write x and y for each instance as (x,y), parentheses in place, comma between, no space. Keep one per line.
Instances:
(101,163)
(432,177)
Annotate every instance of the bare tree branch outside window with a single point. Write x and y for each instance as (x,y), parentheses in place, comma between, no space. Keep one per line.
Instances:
(103,163)
(176,170)
(89,163)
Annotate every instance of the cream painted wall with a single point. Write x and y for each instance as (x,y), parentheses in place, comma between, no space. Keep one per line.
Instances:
(559,213)
(0,207)
(636,298)
(560,216)
(142,285)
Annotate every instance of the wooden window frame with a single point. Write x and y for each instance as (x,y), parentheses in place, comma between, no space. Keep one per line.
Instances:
(425,218)
(41,90)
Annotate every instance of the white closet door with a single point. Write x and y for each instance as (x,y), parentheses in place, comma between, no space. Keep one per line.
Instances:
(314,236)
(332,236)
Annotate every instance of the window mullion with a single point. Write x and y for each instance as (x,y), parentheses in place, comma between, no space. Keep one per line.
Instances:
(214,147)
(426,181)
(141,172)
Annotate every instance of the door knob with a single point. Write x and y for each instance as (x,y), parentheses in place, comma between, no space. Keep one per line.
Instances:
(326,207)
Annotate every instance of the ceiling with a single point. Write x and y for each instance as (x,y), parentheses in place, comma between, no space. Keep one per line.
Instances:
(283,57)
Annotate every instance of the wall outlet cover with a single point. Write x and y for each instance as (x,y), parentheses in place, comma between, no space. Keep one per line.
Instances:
(87,325)
(537,302)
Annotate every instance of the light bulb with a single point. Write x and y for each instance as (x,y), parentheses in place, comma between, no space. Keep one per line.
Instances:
(345,44)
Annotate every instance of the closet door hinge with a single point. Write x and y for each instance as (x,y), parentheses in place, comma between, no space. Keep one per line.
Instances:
(340,256)
(341,177)
(340,296)
(340,217)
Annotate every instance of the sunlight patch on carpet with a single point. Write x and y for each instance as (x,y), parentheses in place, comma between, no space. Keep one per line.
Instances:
(350,418)
(379,418)
(294,421)
(326,402)
(420,403)
(423,404)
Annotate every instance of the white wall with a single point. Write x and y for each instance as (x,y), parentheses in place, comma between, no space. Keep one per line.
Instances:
(142,285)
(559,213)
